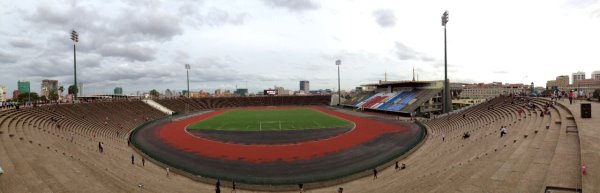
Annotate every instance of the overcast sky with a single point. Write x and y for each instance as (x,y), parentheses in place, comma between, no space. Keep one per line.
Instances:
(144,44)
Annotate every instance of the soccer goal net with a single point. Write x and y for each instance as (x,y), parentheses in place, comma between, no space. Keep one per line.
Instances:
(270,125)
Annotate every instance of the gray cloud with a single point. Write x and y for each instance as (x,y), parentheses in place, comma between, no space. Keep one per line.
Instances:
(130,52)
(580,3)
(293,5)
(182,57)
(21,43)
(596,13)
(7,57)
(385,17)
(218,17)
(403,52)
(155,25)
(49,67)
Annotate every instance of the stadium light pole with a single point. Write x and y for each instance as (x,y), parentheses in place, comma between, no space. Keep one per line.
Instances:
(187,67)
(338,63)
(75,38)
(446,89)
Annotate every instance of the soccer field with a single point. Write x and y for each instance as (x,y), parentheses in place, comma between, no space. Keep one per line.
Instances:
(266,120)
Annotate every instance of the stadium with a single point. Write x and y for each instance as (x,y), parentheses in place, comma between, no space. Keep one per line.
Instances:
(54,148)
(350,133)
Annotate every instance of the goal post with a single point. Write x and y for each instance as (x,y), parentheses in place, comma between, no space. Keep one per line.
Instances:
(269,125)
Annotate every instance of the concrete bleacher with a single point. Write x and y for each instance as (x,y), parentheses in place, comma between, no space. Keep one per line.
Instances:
(184,105)
(526,160)
(37,154)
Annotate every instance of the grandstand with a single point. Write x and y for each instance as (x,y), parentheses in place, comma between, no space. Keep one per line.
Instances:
(54,148)
(402,97)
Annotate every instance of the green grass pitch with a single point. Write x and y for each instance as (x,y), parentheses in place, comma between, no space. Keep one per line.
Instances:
(273,119)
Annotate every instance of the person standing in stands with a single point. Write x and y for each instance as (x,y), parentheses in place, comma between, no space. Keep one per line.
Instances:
(301,187)
(218,186)
(571,97)
(233,186)
(397,166)
(132,159)
(168,172)
(143,161)
(503,131)
(374,173)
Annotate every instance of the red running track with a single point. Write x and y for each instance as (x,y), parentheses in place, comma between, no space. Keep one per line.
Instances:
(366,130)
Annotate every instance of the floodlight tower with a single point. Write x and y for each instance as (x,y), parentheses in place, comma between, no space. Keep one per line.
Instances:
(75,39)
(447,104)
(338,63)
(187,67)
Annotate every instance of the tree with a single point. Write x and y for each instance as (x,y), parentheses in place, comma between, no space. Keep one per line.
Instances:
(30,96)
(154,93)
(73,89)
(547,93)
(53,95)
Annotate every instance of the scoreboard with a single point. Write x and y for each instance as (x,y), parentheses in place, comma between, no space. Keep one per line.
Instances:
(270,92)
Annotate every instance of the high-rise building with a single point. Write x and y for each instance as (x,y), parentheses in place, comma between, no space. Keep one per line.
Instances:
(241,91)
(118,91)
(23,86)
(578,76)
(562,82)
(280,90)
(304,86)
(49,86)
(2,93)
(551,85)
(596,75)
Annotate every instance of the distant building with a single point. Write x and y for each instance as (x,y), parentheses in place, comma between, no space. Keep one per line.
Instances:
(482,91)
(23,86)
(578,76)
(16,94)
(587,85)
(358,89)
(562,82)
(551,85)
(3,96)
(241,91)
(595,75)
(199,94)
(226,93)
(280,91)
(118,91)
(48,86)
(305,86)
(80,90)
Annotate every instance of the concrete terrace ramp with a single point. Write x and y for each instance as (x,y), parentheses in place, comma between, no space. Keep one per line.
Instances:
(159,107)
(589,138)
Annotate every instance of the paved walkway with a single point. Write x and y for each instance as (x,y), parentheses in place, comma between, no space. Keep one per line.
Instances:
(589,137)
